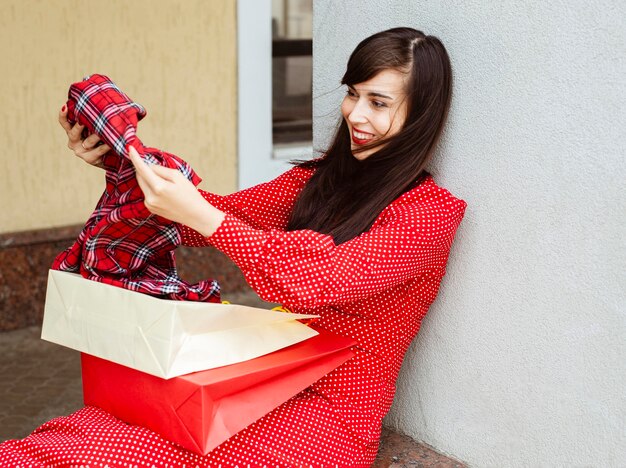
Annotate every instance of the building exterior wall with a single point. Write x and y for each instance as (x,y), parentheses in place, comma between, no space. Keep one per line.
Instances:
(520,361)
(177,58)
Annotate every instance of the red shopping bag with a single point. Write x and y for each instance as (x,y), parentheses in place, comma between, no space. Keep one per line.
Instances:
(201,410)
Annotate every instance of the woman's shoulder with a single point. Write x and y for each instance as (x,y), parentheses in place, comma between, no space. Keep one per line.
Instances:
(429,208)
(429,190)
(295,176)
(300,172)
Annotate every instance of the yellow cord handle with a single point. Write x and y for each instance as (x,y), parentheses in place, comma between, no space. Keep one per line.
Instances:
(281,308)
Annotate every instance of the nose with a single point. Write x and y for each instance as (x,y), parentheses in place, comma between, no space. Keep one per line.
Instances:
(358,114)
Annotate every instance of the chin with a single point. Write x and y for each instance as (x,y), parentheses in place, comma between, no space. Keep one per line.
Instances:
(361,155)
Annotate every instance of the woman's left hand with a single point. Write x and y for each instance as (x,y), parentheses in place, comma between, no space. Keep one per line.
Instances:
(169,194)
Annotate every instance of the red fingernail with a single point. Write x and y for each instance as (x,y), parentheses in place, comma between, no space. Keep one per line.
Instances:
(63,109)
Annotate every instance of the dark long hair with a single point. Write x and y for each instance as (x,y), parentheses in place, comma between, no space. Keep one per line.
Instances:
(345,196)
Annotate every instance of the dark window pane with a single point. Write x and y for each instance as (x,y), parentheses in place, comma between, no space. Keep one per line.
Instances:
(292,70)
(291,99)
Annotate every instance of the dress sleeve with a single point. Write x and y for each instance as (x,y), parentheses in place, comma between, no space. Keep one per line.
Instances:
(264,206)
(305,269)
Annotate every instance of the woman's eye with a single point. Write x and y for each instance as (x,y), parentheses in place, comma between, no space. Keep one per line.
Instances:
(379,104)
(350,93)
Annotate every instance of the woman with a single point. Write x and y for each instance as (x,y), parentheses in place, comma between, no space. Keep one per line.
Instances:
(360,237)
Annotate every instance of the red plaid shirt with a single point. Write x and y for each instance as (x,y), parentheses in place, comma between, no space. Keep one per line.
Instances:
(123,244)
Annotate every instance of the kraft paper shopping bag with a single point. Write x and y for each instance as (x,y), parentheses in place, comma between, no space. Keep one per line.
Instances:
(161,337)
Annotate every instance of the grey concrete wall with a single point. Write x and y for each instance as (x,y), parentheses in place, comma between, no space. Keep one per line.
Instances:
(521,361)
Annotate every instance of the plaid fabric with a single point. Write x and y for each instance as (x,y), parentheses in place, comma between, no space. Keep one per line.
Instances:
(123,244)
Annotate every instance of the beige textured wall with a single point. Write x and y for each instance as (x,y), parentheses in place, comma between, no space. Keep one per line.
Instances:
(177,58)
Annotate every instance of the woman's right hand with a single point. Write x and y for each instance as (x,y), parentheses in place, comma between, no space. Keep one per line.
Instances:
(85,149)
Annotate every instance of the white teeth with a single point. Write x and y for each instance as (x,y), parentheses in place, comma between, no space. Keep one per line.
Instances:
(362,136)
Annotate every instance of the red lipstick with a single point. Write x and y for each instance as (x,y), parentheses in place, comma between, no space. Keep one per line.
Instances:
(359,141)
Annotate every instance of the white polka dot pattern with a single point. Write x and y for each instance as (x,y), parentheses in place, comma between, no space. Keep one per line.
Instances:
(375,288)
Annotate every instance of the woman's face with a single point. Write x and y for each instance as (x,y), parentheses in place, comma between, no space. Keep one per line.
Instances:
(375,109)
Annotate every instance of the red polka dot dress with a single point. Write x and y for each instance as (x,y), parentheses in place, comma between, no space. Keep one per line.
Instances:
(375,288)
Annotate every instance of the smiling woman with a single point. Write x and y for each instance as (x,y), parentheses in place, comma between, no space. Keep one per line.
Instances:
(375,110)
(360,237)
(399,90)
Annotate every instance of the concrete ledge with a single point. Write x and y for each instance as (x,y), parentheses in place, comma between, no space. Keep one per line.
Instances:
(399,451)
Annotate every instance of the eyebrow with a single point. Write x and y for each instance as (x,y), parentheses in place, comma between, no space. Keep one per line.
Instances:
(374,94)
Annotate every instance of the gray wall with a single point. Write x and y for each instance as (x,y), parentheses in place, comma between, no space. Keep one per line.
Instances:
(521,361)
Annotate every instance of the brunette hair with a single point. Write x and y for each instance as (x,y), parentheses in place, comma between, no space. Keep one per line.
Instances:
(344,196)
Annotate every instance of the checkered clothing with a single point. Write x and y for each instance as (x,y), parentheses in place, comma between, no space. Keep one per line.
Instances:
(123,244)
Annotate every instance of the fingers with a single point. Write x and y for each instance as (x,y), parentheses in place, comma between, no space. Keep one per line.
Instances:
(148,180)
(90,142)
(74,142)
(74,135)
(151,172)
(94,156)
(143,185)
(86,149)
(166,173)
(158,184)
(73,131)
(63,119)
(139,171)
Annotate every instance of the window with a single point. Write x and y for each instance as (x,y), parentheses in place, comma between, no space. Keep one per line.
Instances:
(274,87)
(292,73)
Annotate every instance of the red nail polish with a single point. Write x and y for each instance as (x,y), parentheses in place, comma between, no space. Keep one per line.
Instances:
(63,109)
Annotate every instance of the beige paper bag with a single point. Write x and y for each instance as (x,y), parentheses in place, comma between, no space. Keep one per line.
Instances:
(161,337)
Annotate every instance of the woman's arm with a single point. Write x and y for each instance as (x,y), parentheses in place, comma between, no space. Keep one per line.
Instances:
(305,269)
(264,206)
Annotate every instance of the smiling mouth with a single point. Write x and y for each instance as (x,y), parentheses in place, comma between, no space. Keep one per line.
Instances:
(361,138)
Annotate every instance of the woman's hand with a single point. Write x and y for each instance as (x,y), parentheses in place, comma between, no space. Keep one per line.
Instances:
(85,149)
(170,194)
